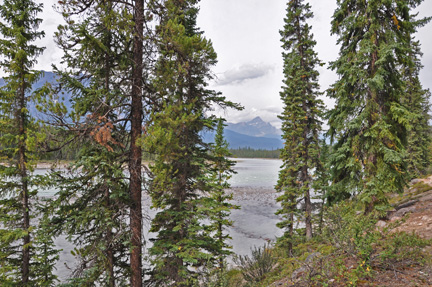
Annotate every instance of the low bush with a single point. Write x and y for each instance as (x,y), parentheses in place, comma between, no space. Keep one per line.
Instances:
(255,268)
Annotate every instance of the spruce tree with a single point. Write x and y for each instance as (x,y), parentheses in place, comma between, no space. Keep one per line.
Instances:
(19,264)
(220,207)
(300,119)
(416,100)
(182,247)
(369,122)
(94,195)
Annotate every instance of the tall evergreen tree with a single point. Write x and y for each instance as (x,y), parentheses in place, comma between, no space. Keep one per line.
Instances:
(182,246)
(19,138)
(416,100)
(300,118)
(95,195)
(135,156)
(220,207)
(369,121)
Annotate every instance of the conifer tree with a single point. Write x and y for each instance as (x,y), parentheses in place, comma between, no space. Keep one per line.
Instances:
(300,118)
(369,121)
(416,100)
(182,247)
(220,208)
(94,196)
(19,264)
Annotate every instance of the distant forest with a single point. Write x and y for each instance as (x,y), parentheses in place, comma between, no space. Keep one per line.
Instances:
(255,153)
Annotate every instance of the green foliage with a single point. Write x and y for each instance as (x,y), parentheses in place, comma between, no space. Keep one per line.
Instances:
(92,201)
(370,121)
(181,184)
(255,267)
(218,204)
(93,196)
(353,234)
(27,256)
(300,118)
(45,254)
(417,101)
(350,251)
(254,153)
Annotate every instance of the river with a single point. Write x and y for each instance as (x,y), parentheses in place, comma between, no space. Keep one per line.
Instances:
(254,223)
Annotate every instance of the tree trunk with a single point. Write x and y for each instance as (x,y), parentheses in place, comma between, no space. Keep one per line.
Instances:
(109,234)
(22,161)
(135,149)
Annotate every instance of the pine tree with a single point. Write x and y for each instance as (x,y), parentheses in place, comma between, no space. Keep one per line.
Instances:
(94,195)
(135,157)
(322,183)
(369,121)
(300,119)
(19,139)
(182,247)
(220,206)
(416,100)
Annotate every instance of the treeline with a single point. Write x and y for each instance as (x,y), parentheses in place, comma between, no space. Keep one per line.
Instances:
(248,152)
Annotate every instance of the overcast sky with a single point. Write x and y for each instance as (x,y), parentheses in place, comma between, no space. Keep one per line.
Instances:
(245,35)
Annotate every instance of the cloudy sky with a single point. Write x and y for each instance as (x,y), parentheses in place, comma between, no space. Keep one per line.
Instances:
(245,34)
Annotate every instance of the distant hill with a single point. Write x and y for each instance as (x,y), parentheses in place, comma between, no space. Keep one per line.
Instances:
(47,77)
(237,140)
(255,128)
(255,134)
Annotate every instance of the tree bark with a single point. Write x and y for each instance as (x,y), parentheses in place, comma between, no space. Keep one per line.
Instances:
(22,165)
(135,150)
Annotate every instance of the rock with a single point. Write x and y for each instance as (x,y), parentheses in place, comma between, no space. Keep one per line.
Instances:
(415,180)
(403,211)
(381,224)
(312,256)
(297,274)
(390,214)
(407,204)
(427,197)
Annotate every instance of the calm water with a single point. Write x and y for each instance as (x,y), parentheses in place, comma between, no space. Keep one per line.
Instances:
(253,172)
(253,188)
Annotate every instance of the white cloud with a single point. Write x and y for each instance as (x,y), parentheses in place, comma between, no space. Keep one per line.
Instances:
(243,73)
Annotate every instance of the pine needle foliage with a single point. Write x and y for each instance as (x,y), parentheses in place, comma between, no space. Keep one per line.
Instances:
(183,246)
(417,101)
(300,118)
(219,204)
(92,202)
(370,121)
(20,256)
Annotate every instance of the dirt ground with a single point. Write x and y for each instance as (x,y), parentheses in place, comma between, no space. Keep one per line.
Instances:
(416,211)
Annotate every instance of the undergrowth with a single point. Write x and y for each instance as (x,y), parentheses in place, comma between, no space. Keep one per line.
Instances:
(350,251)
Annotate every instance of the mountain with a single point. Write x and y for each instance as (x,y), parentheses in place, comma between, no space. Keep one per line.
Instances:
(237,140)
(47,77)
(256,134)
(255,128)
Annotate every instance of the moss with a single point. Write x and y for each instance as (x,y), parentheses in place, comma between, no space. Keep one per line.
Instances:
(420,187)
(413,193)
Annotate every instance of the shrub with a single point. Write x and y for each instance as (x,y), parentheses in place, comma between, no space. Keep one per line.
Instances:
(255,268)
